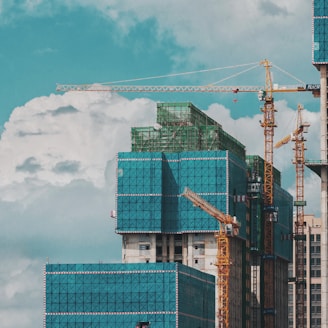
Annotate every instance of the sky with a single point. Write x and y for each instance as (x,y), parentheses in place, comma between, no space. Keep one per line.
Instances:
(58,150)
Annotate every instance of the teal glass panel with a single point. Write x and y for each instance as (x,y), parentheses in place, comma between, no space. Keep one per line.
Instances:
(123,294)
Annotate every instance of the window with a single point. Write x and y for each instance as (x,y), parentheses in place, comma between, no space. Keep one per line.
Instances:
(178,237)
(318,237)
(143,247)
(178,250)
(158,250)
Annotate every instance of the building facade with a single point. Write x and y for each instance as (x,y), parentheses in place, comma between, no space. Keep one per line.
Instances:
(312,274)
(185,148)
(320,61)
(159,295)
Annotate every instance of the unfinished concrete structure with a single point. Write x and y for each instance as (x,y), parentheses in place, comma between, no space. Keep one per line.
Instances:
(186,148)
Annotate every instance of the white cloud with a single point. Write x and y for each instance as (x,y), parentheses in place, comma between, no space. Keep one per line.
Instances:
(216,31)
(54,132)
(212,33)
(20,288)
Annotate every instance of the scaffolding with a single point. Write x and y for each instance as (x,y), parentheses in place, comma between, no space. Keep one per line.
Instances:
(149,186)
(119,295)
(183,127)
(283,247)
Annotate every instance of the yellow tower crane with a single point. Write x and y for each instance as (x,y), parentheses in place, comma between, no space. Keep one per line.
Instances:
(229,228)
(298,137)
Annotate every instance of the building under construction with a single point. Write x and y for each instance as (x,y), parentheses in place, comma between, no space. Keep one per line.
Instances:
(128,295)
(173,245)
(186,148)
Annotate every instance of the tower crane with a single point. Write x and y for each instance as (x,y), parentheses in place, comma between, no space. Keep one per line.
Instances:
(265,94)
(298,137)
(229,228)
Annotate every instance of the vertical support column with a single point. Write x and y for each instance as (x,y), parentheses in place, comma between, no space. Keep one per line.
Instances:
(153,248)
(171,248)
(324,185)
(190,249)
(164,248)
(185,249)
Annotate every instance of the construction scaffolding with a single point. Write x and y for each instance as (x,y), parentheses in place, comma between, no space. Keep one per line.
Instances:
(150,185)
(121,295)
(283,203)
(182,127)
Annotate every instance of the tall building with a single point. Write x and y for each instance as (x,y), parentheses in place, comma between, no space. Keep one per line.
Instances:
(320,61)
(170,253)
(186,148)
(312,273)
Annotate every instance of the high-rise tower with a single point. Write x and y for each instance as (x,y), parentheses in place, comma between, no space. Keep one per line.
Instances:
(186,148)
(320,61)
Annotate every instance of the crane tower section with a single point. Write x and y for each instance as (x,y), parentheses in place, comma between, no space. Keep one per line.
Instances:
(229,227)
(297,136)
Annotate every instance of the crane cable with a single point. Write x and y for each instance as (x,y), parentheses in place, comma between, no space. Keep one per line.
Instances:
(176,74)
(234,75)
(290,75)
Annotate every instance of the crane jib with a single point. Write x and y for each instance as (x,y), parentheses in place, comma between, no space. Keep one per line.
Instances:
(181,89)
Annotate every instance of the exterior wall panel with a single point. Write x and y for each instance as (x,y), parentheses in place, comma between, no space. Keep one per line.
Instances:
(119,295)
(320,32)
(218,176)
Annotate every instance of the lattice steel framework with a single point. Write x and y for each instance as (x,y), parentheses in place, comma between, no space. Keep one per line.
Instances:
(268,125)
(229,227)
(299,162)
(299,148)
(223,264)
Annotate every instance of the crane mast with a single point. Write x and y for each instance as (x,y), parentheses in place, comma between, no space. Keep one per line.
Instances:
(270,214)
(299,149)
(228,227)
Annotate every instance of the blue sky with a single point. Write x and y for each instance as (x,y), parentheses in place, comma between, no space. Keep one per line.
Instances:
(58,151)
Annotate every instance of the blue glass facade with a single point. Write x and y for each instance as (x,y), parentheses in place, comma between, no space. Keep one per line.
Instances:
(120,295)
(283,201)
(320,32)
(284,227)
(150,186)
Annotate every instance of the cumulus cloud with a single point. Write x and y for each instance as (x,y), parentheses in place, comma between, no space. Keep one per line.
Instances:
(48,136)
(20,288)
(219,31)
